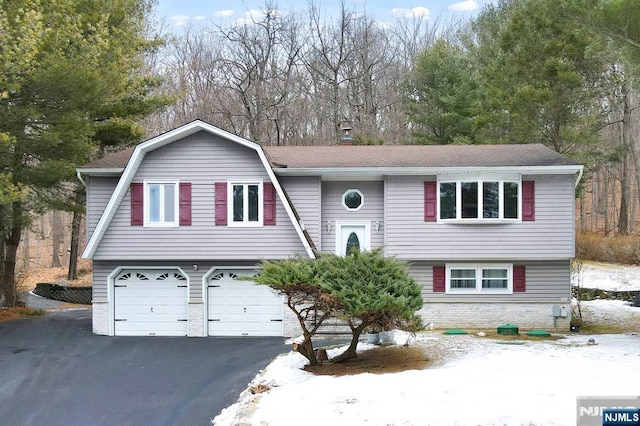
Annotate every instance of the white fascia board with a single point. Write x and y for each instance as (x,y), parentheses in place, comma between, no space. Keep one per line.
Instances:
(162,140)
(368,172)
(285,202)
(116,171)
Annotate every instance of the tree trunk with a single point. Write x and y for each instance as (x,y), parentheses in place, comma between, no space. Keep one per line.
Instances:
(350,352)
(625,179)
(306,350)
(72,273)
(8,288)
(57,235)
(26,252)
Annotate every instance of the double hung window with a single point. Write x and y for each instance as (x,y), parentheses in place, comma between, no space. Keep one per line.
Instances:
(468,278)
(161,204)
(245,208)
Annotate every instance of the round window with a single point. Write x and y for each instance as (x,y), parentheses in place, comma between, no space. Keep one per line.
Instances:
(352,199)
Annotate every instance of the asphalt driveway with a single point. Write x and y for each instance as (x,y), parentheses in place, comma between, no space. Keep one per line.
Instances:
(54,371)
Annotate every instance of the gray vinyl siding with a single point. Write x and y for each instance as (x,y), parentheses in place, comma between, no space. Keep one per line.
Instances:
(201,159)
(550,236)
(546,281)
(102,269)
(304,193)
(99,190)
(371,211)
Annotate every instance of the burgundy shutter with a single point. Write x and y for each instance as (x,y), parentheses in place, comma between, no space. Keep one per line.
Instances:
(528,200)
(430,202)
(438,279)
(185,204)
(519,279)
(269,203)
(221,203)
(137,207)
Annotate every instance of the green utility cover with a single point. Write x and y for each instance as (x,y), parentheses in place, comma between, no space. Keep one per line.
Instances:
(454,331)
(538,333)
(508,329)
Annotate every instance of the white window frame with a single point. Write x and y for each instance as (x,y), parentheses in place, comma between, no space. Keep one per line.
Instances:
(479,268)
(480,181)
(344,203)
(147,204)
(245,200)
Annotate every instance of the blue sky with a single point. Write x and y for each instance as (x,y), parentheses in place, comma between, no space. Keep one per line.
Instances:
(178,13)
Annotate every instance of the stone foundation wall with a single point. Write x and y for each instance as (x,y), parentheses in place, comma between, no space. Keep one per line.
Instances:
(492,315)
(100,318)
(196,326)
(80,295)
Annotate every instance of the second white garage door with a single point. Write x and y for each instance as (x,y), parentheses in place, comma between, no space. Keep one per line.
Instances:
(242,308)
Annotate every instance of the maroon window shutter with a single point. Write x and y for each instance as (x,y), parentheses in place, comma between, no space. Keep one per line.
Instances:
(185,204)
(438,279)
(528,200)
(269,201)
(519,279)
(137,206)
(430,202)
(221,203)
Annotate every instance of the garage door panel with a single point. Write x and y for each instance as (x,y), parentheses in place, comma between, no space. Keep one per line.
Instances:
(242,308)
(150,303)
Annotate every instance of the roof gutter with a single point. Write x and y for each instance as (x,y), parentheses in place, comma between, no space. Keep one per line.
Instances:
(386,171)
(79,175)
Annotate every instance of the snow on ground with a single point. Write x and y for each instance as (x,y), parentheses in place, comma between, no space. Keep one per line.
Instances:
(609,277)
(482,381)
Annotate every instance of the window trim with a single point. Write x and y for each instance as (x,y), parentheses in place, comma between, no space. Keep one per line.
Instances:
(478,268)
(344,204)
(245,223)
(459,180)
(146,203)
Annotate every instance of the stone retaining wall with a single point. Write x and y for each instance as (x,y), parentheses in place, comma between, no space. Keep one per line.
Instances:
(80,295)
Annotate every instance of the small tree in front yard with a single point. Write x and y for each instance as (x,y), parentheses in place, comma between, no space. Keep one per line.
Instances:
(298,280)
(372,291)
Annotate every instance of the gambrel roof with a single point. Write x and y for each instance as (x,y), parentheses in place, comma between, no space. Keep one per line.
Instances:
(128,165)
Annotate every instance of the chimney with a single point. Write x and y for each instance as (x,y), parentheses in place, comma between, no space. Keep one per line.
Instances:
(346,139)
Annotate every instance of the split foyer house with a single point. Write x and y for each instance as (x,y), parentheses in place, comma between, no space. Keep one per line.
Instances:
(488,229)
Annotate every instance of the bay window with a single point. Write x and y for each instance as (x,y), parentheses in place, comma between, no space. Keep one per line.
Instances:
(479,200)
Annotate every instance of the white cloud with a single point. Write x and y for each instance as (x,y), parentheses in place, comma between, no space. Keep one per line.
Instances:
(199,18)
(254,15)
(179,20)
(225,13)
(464,6)
(416,12)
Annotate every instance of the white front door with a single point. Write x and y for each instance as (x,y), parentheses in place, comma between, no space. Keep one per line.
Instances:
(352,236)
(242,308)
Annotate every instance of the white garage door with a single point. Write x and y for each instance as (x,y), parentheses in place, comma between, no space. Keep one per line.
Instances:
(150,303)
(242,308)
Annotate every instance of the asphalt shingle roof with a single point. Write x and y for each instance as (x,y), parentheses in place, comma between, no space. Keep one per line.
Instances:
(381,156)
(339,156)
